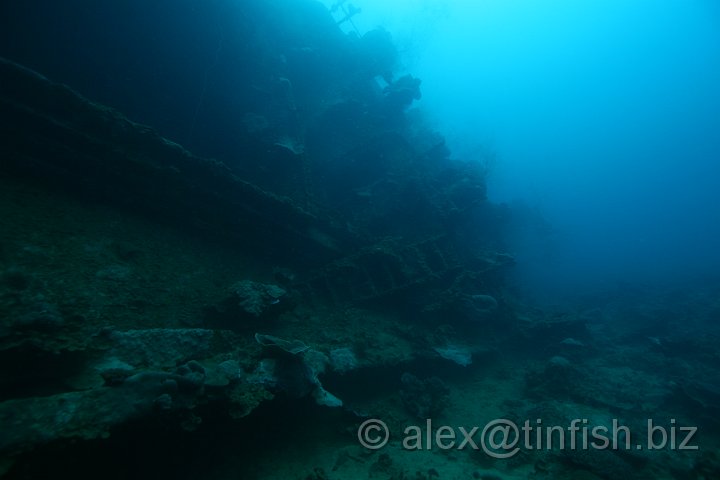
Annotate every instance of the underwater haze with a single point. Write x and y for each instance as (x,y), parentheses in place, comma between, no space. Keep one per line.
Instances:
(604,118)
(360,239)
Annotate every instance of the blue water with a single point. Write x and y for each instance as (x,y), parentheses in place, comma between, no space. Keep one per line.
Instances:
(602,116)
(325,255)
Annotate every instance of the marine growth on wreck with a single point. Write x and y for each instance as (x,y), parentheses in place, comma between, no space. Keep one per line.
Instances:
(231,239)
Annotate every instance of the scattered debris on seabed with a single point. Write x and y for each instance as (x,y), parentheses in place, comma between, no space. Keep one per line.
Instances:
(307,257)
